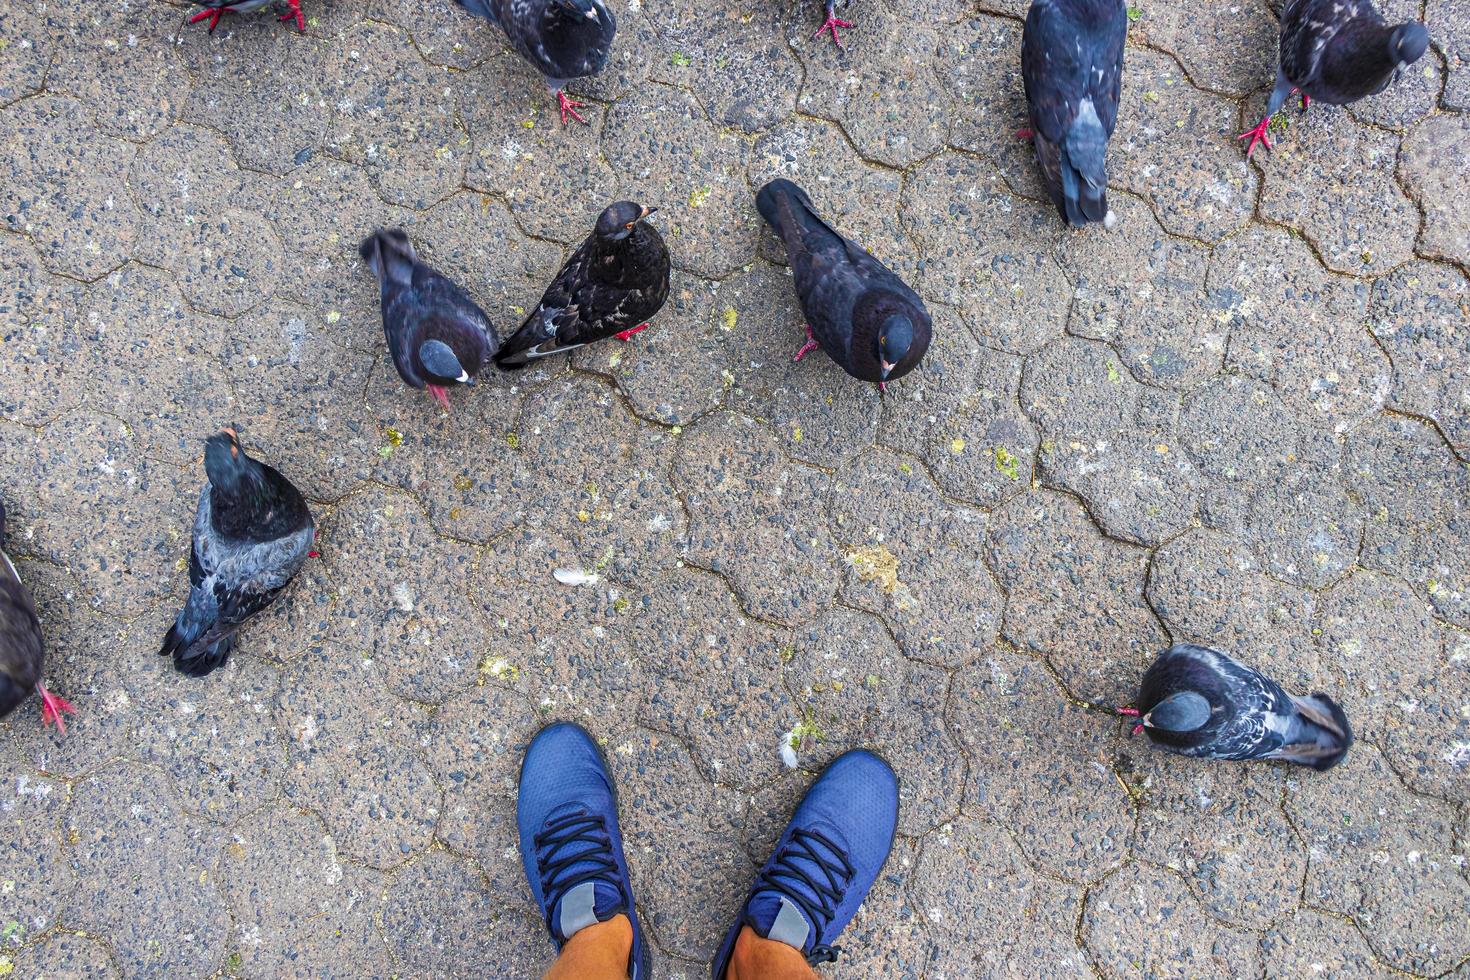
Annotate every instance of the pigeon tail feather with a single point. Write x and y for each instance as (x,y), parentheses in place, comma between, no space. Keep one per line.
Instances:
(1320,735)
(11,694)
(1084,169)
(390,255)
(768,201)
(480,8)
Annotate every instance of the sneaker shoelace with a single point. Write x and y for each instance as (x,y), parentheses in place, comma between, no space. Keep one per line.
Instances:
(557,845)
(785,877)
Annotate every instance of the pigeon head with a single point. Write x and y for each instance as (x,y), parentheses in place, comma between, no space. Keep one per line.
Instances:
(578,8)
(229,469)
(617,221)
(1183,711)
(895,337)
(1407,43)
(442,366)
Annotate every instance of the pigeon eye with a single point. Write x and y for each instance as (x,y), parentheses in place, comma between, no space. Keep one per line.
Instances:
(629,226)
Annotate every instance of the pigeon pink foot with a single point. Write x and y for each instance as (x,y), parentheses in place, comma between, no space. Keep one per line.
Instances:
(810,345)
(569,107)
(440,395)
(53,708)
(627,335)
(294,14)
(1257,135)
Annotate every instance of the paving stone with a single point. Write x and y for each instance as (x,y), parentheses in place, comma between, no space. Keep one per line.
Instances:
(1388,858)
(1449,29)
(218,740)
(713,678)
(1434,168)
(184,175)
(23,62)
(888,936)
(65,191)
(117,60)
(443,34)
(667,154)
(310,915)
(1144,291)
(395,117)
(1074,597)
(673,372)
(1143,921)
(1209,588)
(271,106)
(474,745)
(1403,680)
(915,559)
(1040,767)
(93,468)
(1298,328)
(1220,825)
(736,60)
(667,808)
(1312,943)
(1224,46)
(39,884)
(125,828)
(565,649)
(41,339)
(408,615)
(1105,439)
(1172,148)
(989,912)
(987,253)
(352,757)
(889,99)
(1421,315)
(745,499)
(440,917)
(1366,225)
(1418,527)
(67,955)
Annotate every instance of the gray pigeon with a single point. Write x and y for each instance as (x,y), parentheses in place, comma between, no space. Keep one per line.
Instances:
(215,9)
(857,310)
(252,534)
(562,39)
(22,651)
(1202,703)
(1336,51)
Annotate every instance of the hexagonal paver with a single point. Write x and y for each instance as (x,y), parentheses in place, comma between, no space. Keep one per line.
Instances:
(1311,942)
(1449,27)
(23,62)
(1433,167)
(39,882)
(117,60)
(1074,597)
(1388,858)
(1420,315)
(746,499)
(67,955)
(42,341)
(1225,46)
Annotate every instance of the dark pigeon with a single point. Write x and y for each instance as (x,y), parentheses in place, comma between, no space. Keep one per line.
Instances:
(866,318)
(832,23)
(1072,68)
(22,651)
(1202,703)
(215,9)
(613,283)
(562,39)
(436,333)
(1337,51)
(252,534)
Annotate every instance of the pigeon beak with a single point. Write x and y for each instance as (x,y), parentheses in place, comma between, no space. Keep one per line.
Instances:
(646,212)
(886,368)
(592,14)
(464,378)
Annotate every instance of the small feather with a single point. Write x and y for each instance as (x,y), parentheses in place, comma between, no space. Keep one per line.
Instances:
(575,576)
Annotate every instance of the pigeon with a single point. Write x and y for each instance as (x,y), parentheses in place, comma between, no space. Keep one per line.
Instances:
(1202,703)
(832,23)
(866,318)
(613,283)
(562,39)
(215,9)
(436,333)
(1072,69)
(1336,51)
(252,534)
(22,651)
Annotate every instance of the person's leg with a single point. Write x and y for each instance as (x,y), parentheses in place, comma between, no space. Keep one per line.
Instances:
(755,958)
(567,814)
(598,952)
(817,876)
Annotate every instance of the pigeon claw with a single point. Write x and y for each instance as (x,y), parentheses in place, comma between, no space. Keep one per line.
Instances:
(1137,728)
(1131,712)
(210,14)
(1025,133)
(806,348)
(53,709)
(569,107)
(294,13)
(833,22)
(440,395)
(1257,135)
(627,335)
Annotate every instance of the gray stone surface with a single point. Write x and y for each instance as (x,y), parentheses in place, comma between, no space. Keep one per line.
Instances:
(1241,417)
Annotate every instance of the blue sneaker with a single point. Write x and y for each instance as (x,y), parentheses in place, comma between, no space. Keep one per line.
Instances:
(824,863)
(567,811)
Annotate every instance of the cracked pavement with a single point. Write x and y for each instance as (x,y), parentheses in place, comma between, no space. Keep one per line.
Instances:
(1242,418)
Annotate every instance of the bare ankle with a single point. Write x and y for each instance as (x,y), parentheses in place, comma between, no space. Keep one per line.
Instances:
(754,958)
